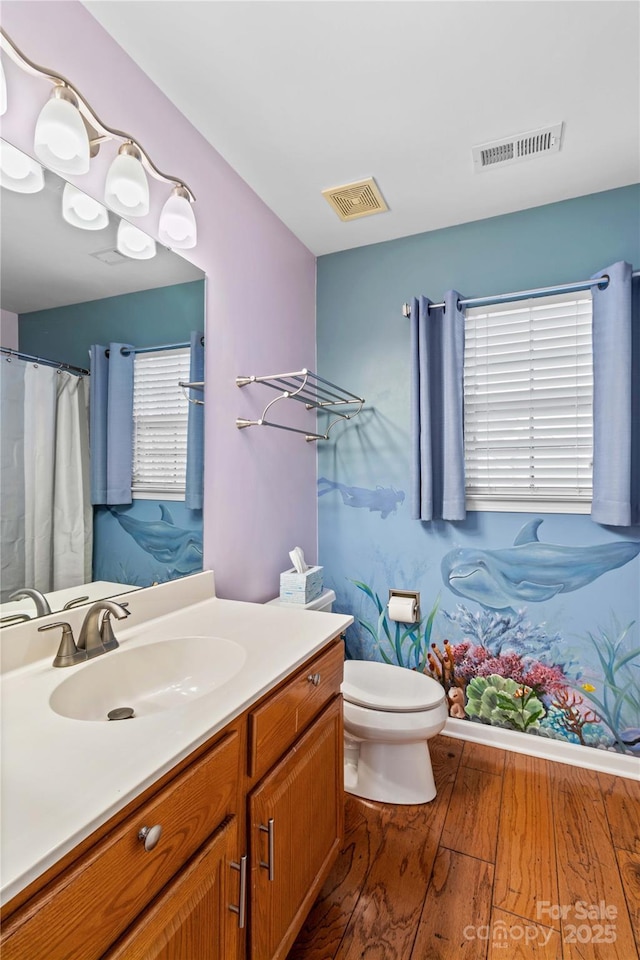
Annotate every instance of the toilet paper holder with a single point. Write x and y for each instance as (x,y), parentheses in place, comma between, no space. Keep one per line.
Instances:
(413,595)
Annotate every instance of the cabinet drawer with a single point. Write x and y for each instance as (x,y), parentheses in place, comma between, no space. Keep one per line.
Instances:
(276,724)
(86,909)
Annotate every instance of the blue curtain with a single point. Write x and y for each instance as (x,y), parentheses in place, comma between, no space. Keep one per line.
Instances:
(194,494)
(111,423)
(615,436)
(437,412)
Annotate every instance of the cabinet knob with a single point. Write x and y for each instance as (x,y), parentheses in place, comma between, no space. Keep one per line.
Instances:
(150,836)
(314,678)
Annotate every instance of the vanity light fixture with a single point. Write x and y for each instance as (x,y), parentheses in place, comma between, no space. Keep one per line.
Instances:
(18,172)
(3,91)
(177,227)
(61,139)
(132,242)
(127,188)
(81,210)
(69,134)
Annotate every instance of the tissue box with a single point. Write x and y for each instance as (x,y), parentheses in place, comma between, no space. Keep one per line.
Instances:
(301,587)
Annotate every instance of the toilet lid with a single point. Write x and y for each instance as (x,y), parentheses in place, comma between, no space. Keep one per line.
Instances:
(383,686)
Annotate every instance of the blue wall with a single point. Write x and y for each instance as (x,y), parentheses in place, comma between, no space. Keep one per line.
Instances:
(149,317)
(363,344)
(162,540)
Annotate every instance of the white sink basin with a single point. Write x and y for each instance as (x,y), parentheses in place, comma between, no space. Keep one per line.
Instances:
(151,678)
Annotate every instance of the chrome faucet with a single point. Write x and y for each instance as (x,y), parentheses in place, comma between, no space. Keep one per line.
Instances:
(96,635)
(41,602)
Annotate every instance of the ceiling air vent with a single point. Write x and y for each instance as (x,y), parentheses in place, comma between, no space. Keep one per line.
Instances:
(514,149)
(111,257)
(353,200)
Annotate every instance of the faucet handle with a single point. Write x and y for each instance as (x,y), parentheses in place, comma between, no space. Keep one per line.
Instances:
(70,604)
(107,635)
(68,654)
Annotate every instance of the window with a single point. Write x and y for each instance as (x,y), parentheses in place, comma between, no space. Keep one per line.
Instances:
(160,411)
(528,388)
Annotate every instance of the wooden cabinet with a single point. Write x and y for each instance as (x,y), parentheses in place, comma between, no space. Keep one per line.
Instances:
(296,828)
(191,919)
(83,911)
(258,811)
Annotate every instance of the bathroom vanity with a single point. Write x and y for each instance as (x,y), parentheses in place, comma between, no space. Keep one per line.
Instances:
(249,807)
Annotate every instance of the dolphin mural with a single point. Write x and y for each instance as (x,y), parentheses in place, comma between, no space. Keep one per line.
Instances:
(530,571)
(384,500)
(166,542)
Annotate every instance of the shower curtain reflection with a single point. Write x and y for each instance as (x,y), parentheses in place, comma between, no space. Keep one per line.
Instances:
(46,515)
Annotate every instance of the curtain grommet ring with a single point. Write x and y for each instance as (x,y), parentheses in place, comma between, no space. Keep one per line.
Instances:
(604,281)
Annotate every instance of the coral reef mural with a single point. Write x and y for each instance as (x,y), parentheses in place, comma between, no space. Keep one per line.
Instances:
(506,667)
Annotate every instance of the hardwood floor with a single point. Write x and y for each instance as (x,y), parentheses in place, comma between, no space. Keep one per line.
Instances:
(485,870)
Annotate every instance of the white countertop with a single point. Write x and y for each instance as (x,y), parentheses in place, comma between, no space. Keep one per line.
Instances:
(63,778)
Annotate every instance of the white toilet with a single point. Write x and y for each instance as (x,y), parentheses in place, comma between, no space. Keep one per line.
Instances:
(389,714)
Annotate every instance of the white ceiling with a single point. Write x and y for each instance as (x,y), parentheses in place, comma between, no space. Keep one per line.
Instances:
(299,96)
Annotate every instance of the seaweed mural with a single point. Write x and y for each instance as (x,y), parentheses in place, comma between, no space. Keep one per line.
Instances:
(396,643)
(499,668)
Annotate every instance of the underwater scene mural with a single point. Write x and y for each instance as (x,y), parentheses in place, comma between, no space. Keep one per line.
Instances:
(148,542)
(515,651)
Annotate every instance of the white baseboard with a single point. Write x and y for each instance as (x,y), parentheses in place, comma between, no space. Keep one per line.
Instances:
(590,758)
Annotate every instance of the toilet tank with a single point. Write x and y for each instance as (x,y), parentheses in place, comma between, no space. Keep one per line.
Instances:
(324,603)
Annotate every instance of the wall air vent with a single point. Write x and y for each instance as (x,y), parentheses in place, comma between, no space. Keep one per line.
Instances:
(498,153)
(353,200)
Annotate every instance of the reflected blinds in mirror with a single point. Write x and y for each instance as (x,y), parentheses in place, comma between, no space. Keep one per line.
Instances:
(160,414)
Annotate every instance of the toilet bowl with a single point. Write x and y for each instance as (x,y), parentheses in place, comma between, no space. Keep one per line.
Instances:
(389,715)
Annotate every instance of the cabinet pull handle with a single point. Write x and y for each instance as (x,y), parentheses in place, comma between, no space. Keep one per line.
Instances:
(314,678)
(270,864)
(241,909)
(150,836)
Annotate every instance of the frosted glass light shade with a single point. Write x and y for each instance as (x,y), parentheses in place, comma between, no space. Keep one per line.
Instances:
(83,211)
(127,189)
(18,172)
(177,227)
(133,243)
(3,91)
(61,138)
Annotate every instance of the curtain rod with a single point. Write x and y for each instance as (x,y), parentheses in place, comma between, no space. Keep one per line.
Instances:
(602,282)
(47,363)
(157,349)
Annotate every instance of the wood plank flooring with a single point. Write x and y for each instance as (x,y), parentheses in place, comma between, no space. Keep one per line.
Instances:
(517,857)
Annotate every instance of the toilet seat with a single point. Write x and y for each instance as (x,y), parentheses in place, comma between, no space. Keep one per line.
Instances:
(388,688)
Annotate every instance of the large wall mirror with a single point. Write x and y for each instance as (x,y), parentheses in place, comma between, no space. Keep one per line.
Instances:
(70,299)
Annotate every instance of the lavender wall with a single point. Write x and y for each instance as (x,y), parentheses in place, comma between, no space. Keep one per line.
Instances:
(260,483)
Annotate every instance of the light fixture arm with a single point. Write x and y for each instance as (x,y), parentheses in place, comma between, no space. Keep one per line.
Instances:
(101,130)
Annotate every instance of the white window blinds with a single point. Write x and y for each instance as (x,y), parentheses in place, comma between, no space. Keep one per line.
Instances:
(528,388)
(160,411)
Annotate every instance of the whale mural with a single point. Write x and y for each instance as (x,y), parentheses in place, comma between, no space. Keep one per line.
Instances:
(530,571)
(382,500)
(164,541)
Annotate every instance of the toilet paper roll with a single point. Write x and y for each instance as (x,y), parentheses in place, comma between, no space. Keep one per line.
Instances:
(402,609)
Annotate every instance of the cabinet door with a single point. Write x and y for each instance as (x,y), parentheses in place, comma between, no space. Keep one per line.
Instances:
(300,801)
(191,917)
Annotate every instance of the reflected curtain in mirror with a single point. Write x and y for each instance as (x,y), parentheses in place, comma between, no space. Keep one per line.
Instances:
(194,492)
(111,421)
(46,511)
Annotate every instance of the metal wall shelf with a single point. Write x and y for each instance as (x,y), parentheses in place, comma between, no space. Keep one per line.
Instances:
(306,387)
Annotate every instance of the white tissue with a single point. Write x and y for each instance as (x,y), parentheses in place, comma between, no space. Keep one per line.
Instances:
(297,559)
(402,609)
